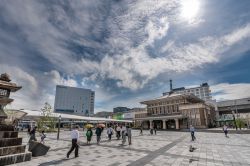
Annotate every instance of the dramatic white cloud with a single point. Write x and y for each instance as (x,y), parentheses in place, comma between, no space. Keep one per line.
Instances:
(137,62)
(27,96)
(226,91)
(58,80)
(128,44)
(33,93)
(132,29)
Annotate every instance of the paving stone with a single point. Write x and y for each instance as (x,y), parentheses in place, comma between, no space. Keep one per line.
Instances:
(165,148)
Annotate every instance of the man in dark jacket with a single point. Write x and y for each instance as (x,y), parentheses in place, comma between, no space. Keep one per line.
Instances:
(33,134)
(98,133)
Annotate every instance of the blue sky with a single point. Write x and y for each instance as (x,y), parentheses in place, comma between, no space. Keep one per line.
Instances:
(126,51)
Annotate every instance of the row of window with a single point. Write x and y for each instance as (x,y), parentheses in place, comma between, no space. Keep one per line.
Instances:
(164,110)
(167,102)
(143,115)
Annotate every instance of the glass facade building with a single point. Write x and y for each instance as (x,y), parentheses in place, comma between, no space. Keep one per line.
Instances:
(72,100)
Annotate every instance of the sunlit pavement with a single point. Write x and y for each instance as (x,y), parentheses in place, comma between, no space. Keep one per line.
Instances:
(165,148)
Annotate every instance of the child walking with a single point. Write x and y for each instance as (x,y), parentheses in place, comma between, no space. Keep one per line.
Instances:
(43,136)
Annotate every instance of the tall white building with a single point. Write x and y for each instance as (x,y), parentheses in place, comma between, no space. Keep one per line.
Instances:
(203,91)
(74,100)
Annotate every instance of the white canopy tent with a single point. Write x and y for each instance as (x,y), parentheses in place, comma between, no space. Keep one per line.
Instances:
(64,117)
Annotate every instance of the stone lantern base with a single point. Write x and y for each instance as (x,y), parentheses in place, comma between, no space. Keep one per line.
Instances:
(11,149)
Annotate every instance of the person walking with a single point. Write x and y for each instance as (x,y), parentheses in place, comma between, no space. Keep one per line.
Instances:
(29,129)
(118,132)
(141,130)
(43,136)
(123,131)
(33,134)
(124,134)
(110,132)
(225,129)
(75,138)
(155,128)
(192,130)
(129,134)
(89,135)
(98,133)
(151,130)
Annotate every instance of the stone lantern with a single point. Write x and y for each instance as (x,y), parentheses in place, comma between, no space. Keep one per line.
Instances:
(11,149)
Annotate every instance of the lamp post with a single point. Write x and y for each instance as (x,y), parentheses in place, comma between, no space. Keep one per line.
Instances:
(234,120)
(59,125)
(236,110)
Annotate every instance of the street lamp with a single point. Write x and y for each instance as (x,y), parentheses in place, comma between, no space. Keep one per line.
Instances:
(237,114)
(59,125)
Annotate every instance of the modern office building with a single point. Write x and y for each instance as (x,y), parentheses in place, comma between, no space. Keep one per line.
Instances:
(104,114)
(72,100)
(130,115)
(120,109)
(203,91)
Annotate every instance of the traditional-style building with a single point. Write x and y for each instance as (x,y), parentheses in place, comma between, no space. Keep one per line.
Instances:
(176,111)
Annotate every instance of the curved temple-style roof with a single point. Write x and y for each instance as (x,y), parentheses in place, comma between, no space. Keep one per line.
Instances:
(73,117)
(173,96)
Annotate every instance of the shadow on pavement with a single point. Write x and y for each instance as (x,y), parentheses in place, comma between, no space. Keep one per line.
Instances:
(55,162)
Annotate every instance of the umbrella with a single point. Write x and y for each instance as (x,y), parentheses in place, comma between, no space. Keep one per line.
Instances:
(101,125)
(89,126)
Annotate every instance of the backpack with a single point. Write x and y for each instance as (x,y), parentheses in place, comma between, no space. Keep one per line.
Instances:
(88,134)
(43,136)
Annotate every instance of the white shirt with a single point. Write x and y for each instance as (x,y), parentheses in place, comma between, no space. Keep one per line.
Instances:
(124,128)
(129,132)
(118,128)
(109,131)
(75,134)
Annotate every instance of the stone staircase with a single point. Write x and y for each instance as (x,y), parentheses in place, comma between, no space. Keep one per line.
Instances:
(11,149)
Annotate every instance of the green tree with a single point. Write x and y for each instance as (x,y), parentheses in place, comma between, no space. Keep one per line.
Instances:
(47,122)
(240,123)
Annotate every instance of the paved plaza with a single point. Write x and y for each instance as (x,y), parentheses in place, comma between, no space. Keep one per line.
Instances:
(165,148)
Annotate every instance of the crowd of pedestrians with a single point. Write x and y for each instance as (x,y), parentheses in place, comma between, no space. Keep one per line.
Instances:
(121,131)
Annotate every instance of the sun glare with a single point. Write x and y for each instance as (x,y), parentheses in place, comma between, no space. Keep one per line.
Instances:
(189,9)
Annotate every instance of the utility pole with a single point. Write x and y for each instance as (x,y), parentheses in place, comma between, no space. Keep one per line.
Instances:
(59,125)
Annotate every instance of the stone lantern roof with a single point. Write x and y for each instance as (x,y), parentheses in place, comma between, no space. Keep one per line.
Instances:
(6,84)
(5,77)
